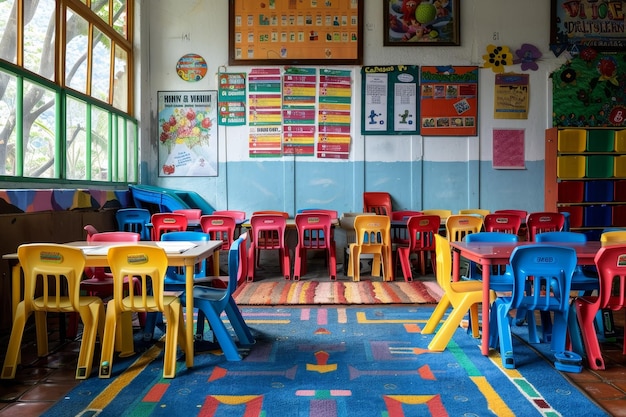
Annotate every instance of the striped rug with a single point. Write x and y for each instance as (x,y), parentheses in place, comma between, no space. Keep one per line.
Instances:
(337,292)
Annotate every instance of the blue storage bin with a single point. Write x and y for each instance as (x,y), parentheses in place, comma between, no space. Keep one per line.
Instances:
(600,191)
(598,216)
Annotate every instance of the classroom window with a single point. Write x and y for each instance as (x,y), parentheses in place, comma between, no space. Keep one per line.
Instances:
(66,91)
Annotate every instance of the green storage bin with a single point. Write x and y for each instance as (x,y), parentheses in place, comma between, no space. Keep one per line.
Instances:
(600,166)
(600,140)
(572,140)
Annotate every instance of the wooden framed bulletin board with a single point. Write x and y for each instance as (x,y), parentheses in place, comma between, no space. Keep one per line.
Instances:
(279,32)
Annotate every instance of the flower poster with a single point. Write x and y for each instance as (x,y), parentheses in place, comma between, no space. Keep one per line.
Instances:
(511,96)
(187,133)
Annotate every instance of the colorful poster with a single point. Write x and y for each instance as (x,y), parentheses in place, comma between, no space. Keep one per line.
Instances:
(265,112)
(390,100)
(511,96)
(232,99)
(191,67)
(188,133)
(334,114)
(299,100)
(449,101)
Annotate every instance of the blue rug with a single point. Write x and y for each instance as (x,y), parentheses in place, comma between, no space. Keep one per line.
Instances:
(335,362)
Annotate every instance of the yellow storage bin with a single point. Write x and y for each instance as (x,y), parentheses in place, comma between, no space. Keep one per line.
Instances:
(572,140)
(620,166)
(620,140)
(571,166)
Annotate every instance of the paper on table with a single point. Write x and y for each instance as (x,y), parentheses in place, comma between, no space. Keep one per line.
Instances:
(175,247)
(95,250)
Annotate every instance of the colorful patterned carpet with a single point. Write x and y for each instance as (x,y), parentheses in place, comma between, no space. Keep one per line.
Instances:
(335,362)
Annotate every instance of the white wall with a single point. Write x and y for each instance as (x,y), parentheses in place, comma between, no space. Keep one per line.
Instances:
(165,23)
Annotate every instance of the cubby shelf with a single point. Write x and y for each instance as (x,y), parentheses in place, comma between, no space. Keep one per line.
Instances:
(585,175)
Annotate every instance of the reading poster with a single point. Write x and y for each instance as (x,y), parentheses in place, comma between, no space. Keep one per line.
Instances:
(449,101)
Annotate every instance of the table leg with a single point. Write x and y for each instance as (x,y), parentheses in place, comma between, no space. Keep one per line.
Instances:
(189,269)
(456,265)
(485,319)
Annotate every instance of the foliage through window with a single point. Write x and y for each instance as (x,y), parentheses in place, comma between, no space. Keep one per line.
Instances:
(66,90)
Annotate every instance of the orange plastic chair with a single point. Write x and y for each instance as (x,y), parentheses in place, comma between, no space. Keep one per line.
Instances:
(540,222)
(52,268)
(462,296)
(377,202)
(268,233)
(421,232)
(459,225)
(373,237)
(612,282)
(502,222)
(149,264)
(167,222)
(314,233)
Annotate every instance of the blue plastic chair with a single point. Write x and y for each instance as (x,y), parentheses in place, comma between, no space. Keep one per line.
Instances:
(535,268)
(134,220)
(175,280)
(214,301)
(501,278)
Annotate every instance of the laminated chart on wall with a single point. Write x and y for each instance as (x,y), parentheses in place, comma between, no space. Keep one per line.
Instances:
(449,101)
(265,112)
(299,100)
(232,98)
(334,113)
(511,96)
(390,100)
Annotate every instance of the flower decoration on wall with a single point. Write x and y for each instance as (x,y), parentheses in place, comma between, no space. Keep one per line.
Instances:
(607,67)
(497,57)
(528,55)
(186,127)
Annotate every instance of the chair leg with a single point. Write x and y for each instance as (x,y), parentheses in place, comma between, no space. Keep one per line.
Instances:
(108,343)
(41,328)
(504,334)
(585,315)
(332,262)
(221,334)
(447,329)
(172,315)
(251,261)
(239,325)
(437,315)
(90,316)
(15,342)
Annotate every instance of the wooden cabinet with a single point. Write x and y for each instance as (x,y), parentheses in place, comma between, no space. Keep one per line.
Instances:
(585,175)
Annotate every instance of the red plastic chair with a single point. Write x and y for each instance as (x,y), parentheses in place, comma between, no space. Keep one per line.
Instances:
(167,222)
(612,275)
(218,227)
(377,202)
(399,235)
(268,233)
(541,222)
(274,212)
(421,232)
(236,214)
(502,222)
(191,214)
(314,233)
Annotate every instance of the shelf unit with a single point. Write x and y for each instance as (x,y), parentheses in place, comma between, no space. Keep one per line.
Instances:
(585,175)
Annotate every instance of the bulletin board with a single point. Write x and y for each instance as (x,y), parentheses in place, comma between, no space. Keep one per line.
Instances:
(390,97)
(312,32)
(449,101)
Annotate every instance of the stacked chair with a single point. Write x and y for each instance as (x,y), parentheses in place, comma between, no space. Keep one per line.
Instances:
(268,234)
(314,234)
(373,237)
(134,220)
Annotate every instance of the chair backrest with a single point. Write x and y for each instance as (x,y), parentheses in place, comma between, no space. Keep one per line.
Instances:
(219,227)
(178,273)
(404,214)
(540,222)
(611,265)
(149,265)
(51,268)
(460,225)
(192,214)
(237,262)
(134,220)
(372,230)
(442,213)
(522,214)
(274,212)
(167,222)
(90,230)
(115,237)
(491,237)
(556,237)
(332,213)
(443,255)
(503,223)
(268,230)
(421,231)
(477,212)
(314,230)
(235,214)
(377,202)
(616,236)
(542,276)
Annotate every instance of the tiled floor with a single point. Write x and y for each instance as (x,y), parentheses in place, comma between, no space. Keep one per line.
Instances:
(43,381)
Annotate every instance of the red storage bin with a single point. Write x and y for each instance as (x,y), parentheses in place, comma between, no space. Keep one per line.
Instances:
(575,215)
(570,191)
(620,190)
(619,216)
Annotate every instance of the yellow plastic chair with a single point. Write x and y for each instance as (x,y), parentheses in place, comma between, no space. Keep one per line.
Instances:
(476,212)
(56,270)
(373,237)
(148,263)
(442,213)
(463,296)
(459,225)
(615,236)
